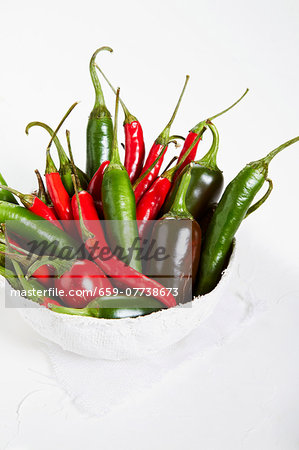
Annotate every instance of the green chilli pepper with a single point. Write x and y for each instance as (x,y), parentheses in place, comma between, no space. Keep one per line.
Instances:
(119,203)
(46,237)
(5,195)
(118,307)
(233,207)
(100,126)
(206,180)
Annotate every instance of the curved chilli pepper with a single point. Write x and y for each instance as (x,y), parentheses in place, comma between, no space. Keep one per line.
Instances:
(65,170)
(134,141)
(4,194)
(180,235)
(194,133)
(119,203)
(116,307)
(122,275)
(160,145)
(34,228)
(35,205)
(206,181)
(151,202)
(82,283)
(59,195)
(95,187)
(233,207)
(99,132)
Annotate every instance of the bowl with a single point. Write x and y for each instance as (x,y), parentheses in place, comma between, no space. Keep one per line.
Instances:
(128,338)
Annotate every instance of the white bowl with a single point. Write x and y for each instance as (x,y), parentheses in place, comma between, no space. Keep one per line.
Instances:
(117,339)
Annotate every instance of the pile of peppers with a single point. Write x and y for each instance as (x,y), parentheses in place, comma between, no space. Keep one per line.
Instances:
(114,204)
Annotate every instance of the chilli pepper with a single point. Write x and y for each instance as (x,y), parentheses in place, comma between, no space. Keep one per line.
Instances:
(206,181)
(59,195)
(180,235)
(116,307)
(33,228)
(151,202)
(134,141)
(82,283)
(35,205)
(234,206)
(4,194)
(193,133)
(159,146)
(99,133)
(65,170)
(95,187)
(119,202)
(122,275)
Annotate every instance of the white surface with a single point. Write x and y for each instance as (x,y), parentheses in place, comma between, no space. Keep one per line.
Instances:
(244,394)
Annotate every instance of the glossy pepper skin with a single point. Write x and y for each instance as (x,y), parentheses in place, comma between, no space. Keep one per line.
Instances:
(59,196)
(33,228)
(35,205)
(192,155)
(82,283)
(119,203)
(234,206)
(206,182)
(116,307)
(180,235)
(6,195)
(99,134)
(95,187)
(122,275)
(159,147)
(134,141)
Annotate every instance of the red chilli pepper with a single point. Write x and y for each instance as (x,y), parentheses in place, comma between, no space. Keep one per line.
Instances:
(160,145)
(95,186)
(35,205)
(152,201)
(134,141)
(123,276)
(59,195)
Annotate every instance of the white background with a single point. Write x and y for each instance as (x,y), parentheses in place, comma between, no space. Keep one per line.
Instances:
(244,395)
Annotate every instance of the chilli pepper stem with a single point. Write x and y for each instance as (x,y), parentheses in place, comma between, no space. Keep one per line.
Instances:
(99,100)
(230,107)
(42,193)
(68,139)
(128,116)
(268,158)
(61,123)
(179,205)
(27,199)
(115,153)
(209,160)
(164,136)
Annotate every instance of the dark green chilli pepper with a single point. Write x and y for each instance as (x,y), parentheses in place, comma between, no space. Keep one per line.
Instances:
(119,205)
(31,227)
(118,307)
(233,207)
(100,126)
(206,182)
(5,195)
(180,235)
